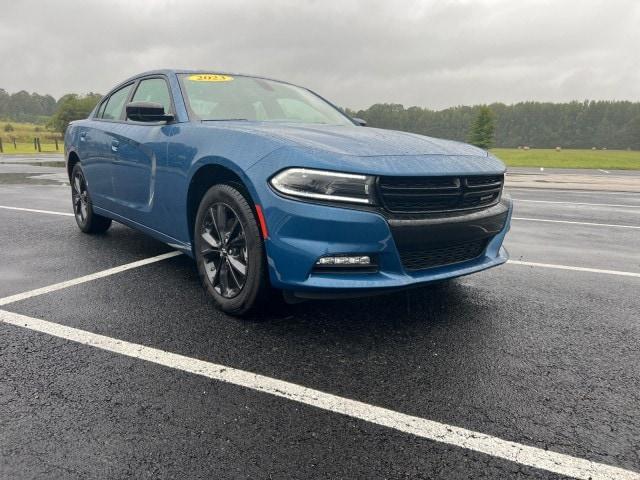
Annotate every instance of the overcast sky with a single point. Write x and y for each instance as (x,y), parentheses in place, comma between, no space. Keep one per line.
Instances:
(431,53)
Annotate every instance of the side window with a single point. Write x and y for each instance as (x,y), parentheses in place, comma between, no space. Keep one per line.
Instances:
(153,90)
(115,104)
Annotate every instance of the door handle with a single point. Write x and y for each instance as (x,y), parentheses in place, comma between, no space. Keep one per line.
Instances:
(83,136)
(114,145)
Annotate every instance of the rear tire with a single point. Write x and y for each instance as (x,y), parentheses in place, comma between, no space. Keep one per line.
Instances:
(88,221)
(229,251)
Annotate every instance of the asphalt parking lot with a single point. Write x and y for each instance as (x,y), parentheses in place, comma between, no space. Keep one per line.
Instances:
(152,382)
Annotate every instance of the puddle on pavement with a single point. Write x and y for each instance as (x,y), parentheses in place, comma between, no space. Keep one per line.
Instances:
(32,179)
(57,164)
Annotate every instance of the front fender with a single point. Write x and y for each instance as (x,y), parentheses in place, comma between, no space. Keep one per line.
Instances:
(218,161)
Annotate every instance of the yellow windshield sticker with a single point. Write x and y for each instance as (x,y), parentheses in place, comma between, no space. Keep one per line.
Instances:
(210,77)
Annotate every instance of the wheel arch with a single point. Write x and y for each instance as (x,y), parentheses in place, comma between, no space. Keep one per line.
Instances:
(72,160)
(213,171)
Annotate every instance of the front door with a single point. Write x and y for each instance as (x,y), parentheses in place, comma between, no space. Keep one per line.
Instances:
(138,149)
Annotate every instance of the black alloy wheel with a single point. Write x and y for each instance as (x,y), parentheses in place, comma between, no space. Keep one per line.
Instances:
(224,250)
(79,196)
(229,250)
(87,220)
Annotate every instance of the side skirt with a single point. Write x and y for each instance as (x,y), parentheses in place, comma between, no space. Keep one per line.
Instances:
(172,242)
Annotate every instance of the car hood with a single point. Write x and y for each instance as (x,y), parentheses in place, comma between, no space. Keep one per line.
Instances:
(357,141)
(353,149)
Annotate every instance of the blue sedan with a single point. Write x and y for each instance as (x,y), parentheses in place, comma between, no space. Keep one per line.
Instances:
(268,186)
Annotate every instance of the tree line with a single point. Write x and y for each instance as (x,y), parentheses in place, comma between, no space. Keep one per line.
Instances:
(600,124)
(23,106)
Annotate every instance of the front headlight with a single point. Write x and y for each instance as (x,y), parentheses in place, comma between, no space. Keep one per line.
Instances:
(324,185)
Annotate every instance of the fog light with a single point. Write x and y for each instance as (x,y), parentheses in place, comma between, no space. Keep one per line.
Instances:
(359,260)
(346,264)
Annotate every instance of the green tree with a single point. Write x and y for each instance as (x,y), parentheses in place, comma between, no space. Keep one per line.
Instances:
(8,127)
(483,129)
(5,99)
(629,136)
(73,107)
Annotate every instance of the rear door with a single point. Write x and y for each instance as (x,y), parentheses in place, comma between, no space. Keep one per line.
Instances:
(141,148)
(99,140)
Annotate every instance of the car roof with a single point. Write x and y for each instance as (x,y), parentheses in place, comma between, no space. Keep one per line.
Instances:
(169,71)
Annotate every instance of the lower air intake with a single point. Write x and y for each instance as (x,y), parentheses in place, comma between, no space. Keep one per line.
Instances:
(444,255)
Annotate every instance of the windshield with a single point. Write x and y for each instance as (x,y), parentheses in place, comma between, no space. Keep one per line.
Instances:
(226,97)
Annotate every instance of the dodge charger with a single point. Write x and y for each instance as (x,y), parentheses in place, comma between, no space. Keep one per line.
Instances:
(270,187)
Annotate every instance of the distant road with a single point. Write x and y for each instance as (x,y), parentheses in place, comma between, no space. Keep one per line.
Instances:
(32,158)
(569,179)
(572,171)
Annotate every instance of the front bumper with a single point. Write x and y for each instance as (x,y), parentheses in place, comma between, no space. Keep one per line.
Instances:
(301,232)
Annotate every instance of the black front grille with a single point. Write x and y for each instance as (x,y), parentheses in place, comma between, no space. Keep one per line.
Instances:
(439,194)
(442,255)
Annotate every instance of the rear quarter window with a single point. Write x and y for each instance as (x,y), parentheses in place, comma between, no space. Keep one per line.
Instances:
(100,111)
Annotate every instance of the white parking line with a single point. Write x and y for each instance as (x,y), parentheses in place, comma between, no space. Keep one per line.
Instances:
(575,269)
(575,223)
(603,171)
(577,203)
(50,212)
(440,432)
(86,278)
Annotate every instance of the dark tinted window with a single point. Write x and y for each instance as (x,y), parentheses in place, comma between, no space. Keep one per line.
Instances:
(115,104)
(153,90)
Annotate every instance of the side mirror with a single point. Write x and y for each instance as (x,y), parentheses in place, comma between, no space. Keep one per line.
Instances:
(147,112)
(360,122)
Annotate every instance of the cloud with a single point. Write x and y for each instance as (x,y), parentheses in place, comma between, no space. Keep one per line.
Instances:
(430,53)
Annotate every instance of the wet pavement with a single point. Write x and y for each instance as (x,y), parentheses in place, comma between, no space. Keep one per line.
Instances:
(539,356)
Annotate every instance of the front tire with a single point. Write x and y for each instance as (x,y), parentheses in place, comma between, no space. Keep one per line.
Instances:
(87,220)
(229,251)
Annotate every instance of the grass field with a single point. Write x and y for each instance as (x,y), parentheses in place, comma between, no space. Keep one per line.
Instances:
(24,133)
(549,158)
(8,148)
